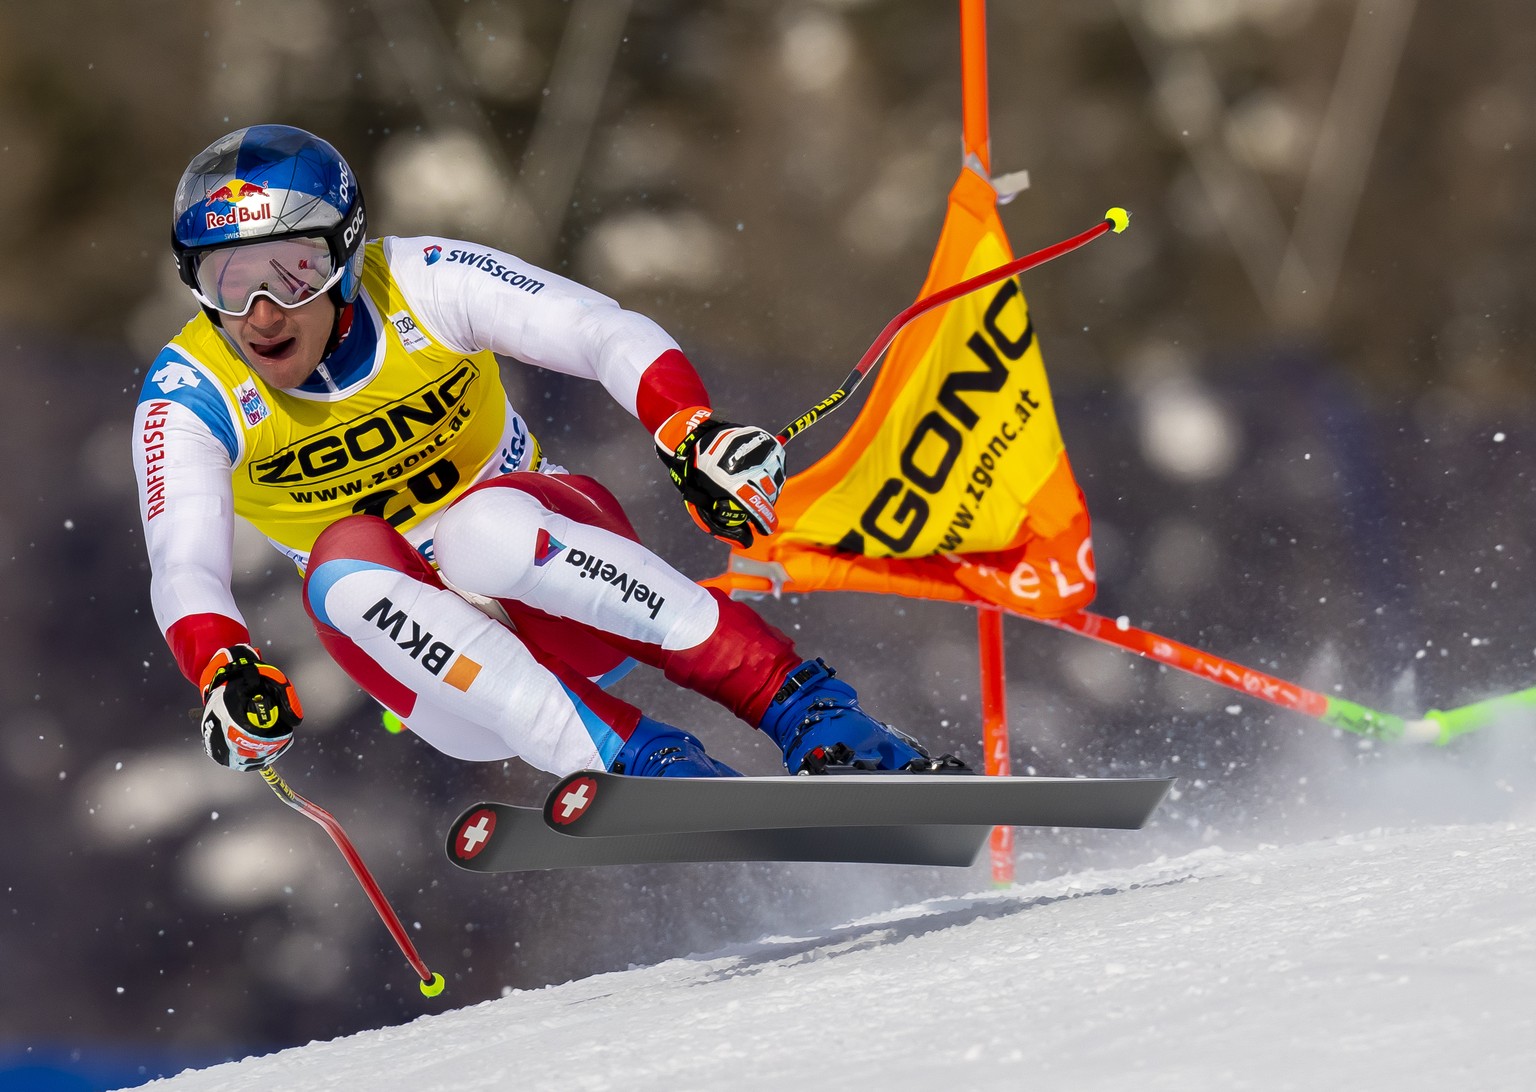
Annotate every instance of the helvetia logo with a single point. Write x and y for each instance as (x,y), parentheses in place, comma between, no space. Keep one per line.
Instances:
(546,547)
(596,568)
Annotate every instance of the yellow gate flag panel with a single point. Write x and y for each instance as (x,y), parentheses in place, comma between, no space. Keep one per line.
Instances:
(959,434)
(953,480)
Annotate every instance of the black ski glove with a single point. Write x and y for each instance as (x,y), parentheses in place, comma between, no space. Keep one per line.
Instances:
(249,709)
(729,474)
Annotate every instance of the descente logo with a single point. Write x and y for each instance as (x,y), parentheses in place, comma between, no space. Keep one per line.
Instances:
(595,568)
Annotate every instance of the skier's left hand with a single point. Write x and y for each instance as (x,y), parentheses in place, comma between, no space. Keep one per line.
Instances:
(729,474)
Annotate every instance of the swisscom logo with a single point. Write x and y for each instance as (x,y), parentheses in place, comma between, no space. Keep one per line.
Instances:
(432,253)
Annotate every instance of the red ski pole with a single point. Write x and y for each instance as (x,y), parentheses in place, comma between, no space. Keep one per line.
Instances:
(431,983)
(1114,220)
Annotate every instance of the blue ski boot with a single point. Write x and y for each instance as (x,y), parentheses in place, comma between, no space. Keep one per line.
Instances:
(816,721)
(655,749)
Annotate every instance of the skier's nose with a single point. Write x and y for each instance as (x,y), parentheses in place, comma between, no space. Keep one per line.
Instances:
(265,314)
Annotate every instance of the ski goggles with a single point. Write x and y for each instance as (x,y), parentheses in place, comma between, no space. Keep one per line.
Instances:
(290,272)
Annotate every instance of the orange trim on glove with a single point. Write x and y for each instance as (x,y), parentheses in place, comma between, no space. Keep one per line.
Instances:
(675,429)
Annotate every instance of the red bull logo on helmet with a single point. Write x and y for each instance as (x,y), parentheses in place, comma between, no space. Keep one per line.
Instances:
(235,191)
(232,196)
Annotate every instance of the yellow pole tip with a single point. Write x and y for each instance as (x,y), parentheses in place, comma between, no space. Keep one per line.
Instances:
(433,988)
(1118,219)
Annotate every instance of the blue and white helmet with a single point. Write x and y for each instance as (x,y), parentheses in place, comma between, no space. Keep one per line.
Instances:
(263,184)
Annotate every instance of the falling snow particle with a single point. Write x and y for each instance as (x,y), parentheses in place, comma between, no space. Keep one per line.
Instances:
(1498,437)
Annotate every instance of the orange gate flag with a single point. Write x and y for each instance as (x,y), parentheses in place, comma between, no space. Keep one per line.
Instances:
(952,482)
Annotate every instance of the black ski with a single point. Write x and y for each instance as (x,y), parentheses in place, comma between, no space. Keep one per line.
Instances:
(494,837)
(595,818)
(593,803)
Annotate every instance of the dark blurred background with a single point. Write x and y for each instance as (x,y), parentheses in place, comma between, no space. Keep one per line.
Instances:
(1298,394)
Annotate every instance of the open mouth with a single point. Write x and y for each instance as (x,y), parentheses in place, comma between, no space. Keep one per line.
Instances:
(275,350)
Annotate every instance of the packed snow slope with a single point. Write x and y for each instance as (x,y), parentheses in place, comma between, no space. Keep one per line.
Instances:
(1393,959)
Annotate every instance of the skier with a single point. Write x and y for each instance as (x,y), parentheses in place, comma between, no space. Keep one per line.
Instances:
(342,396)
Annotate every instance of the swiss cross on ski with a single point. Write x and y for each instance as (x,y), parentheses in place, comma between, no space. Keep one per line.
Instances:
(475,833)
(570,800)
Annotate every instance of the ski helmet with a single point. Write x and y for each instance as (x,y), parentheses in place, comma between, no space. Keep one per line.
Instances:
(266,184)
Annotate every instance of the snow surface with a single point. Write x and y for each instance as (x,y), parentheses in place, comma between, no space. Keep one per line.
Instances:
(1396,959)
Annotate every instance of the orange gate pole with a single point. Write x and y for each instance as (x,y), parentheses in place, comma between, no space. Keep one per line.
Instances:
(989,622)
(994,728)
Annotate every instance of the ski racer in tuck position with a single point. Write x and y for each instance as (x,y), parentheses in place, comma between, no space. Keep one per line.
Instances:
(342,396)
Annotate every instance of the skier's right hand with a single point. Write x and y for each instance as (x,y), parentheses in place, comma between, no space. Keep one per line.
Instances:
(249,709)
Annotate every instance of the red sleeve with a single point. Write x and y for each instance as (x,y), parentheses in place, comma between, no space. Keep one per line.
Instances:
(195,638)
(668,385)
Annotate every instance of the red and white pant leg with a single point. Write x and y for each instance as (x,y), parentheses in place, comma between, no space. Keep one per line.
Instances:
(558,554)
(557,551)
(463,682)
